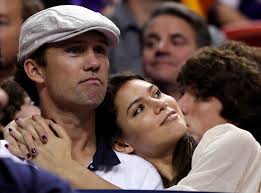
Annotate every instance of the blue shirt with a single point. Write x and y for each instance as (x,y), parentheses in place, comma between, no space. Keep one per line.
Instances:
(20,178)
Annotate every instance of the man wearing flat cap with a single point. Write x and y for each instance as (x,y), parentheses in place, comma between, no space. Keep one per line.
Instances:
(63,55)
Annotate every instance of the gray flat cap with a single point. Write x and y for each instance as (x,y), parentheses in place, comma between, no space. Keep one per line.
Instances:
(61,23)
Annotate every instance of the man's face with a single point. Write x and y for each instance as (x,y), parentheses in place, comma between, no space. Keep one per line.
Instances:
(10,24)
(200,115)
(76,74)
(168,42)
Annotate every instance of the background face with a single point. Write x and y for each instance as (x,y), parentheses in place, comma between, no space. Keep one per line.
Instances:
(200,115)
(169,42)
(10,24)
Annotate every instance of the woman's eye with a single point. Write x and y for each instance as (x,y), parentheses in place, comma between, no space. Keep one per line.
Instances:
(139,109)
(157,94)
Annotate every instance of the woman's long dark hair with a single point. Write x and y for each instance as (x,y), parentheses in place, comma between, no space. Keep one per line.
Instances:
(110,131)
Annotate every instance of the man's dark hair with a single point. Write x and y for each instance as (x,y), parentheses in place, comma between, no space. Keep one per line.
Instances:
(233,77)
(196,22)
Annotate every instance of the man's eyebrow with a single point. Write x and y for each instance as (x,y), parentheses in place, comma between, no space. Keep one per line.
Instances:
(151,36)
(139,98)
(177,35)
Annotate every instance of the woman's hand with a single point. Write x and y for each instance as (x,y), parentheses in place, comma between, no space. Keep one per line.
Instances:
(24,135)
(27,139)
(55,155)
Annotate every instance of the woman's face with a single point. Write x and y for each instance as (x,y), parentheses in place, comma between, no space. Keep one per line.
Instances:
(151,121)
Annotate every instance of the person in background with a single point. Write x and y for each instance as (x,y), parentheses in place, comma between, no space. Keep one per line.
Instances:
(12,16)
(130,16)
(234,12)
(220,86)
(19,104)
(167,47)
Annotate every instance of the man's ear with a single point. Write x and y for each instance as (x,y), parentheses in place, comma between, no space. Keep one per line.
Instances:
(33,70)
(121,146)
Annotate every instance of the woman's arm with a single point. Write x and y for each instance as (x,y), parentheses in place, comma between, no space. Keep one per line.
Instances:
(223,159)
(54,155)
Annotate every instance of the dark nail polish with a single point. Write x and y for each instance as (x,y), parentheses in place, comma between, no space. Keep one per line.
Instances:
(28,155)
(33,151)
(10,129)
(6,146)
(44,138)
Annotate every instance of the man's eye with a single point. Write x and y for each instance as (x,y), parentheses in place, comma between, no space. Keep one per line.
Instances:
(179,41)
(100,50)
(139,109)
(75,50)
(149,44)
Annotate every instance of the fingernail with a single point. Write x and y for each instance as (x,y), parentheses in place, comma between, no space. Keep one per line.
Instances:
(28,155)
(33,151)
(44,138)
(6,146)
(10,129)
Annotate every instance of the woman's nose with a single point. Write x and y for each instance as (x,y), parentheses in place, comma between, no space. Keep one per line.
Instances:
(158,105)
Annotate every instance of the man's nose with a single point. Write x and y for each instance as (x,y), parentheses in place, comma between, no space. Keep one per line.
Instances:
(91,62)
(163,46)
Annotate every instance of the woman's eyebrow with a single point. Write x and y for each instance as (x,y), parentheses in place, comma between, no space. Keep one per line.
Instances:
(138,99)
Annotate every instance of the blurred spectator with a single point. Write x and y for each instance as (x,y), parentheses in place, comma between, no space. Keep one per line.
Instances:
(236,11)
(167,47)
(102,6)
(130,16)
(51,3)
(12,14)
(19,104)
